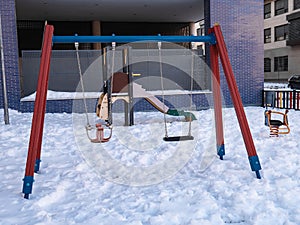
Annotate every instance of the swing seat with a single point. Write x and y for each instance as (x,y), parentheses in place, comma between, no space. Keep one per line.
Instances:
(277,126)
(100,135)
(179,138)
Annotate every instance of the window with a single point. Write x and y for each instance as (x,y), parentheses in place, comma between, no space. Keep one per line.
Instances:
(296,4)
(281,63)
(267,11)
(267,35)
(267,65)
(281,32)
(281,6)
(201,30)
(294,32)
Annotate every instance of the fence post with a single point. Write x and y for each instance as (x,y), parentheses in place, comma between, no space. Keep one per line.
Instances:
(4,90)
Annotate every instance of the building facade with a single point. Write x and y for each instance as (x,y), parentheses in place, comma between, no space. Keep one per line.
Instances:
(281,39)
(241,32)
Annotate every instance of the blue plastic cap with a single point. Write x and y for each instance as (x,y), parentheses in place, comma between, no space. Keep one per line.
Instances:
(221,150)
(254,163)
(213,39)
(27,185)
(37,165)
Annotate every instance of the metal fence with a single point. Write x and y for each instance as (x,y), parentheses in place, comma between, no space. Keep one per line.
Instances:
(64,75)
(177,68)
(283,99)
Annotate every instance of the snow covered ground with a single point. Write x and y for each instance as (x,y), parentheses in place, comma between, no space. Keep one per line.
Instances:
(274,85)
(75,186)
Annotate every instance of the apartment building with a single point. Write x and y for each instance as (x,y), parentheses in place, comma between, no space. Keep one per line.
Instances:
(22,25)
(281,39)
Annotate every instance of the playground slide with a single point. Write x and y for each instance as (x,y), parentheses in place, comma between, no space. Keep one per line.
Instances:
(139,92)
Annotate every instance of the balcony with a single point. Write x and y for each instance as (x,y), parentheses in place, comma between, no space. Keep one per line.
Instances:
(294,29)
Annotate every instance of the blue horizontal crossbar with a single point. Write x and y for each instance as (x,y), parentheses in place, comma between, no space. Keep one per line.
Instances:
(126,39)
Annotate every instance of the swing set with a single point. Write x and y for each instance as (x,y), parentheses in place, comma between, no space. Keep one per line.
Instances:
(120,86)
(217,50)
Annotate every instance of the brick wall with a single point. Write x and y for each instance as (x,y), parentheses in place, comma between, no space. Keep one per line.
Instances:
(242,25)
(10,43)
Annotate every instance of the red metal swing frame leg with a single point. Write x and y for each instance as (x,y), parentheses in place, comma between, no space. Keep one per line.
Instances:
(217,99)
(237,102)
(36,135)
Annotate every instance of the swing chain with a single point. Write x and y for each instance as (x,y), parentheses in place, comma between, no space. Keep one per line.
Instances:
(189,136)
(162,87)
(109,122)
(88,125)
(191,95)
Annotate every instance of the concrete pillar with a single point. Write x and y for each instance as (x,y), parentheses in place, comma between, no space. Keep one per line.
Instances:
(193,31)
(96,28)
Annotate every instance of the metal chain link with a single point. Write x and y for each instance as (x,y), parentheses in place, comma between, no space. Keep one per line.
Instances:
(88,125)
(191,95)
(162,87)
